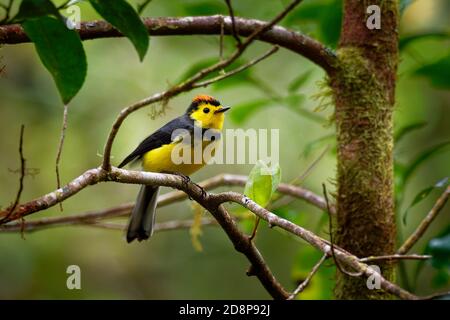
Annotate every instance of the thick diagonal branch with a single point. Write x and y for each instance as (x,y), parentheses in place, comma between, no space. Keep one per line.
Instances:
(201,25)
(214,204)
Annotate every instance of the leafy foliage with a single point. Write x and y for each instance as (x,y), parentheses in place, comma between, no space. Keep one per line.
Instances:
(60,48)
(262,183)
(439,248)
(443,183)
(437,72)
(123,17)
(327,15)
(64,58)
(406,40)
(405,131)
(36,8)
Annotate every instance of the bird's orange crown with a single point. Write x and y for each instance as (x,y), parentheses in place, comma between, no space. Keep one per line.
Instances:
(202,99)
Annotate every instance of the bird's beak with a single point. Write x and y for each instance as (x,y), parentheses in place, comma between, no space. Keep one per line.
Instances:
(222,110)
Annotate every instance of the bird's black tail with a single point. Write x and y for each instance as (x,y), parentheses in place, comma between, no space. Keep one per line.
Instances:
(142,217)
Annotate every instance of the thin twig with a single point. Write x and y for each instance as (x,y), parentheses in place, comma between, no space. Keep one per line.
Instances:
(233,23)
(13,207)
(60,147)
(330,219)
(213,203)
(74,220)
(255,228)
(64,4)
(306,282)
(141,6)
(436,295)
(396,257)
(423,226)
(237,70)
(221,38)
(319,243)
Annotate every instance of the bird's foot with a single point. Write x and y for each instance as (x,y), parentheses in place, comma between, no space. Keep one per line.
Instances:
(186,181)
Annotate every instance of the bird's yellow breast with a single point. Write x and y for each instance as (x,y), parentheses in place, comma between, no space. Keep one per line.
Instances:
(160,160)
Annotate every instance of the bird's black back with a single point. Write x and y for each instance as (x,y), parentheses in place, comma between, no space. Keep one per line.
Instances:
(160,137)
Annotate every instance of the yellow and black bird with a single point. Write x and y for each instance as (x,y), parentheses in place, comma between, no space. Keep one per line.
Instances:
(156,153)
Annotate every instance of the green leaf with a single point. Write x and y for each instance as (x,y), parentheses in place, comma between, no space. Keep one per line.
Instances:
(443,183)
(408,129)
(308,11)
(437,72)
(439,248)
(61,52)
(36,8)
(330,23)
(262,183)
(299,81)
(406,40)
(241,112)
(123,17)
(326,14)
(421,158)
(441,278)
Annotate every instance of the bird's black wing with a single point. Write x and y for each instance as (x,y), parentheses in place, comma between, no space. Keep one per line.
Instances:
(159,138)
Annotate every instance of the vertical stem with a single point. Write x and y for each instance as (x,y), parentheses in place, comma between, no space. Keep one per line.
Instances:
(364,91)
(60,147)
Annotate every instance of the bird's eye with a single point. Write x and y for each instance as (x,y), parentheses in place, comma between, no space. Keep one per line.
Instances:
(206,110)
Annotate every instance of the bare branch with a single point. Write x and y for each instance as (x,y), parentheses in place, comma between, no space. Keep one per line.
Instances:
(165,199)
(84,220)
(237,70)
(60,146)
(213,203)
(125,209)
(343,256)
(244,245)
(435,295)
(200,25)
(305,282)
(49,200)
(396,257)
(423,226)
(13,207)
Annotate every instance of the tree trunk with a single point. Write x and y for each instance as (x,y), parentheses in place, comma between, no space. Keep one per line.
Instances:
(364,93)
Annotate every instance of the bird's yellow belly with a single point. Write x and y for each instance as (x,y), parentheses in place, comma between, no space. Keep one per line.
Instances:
(160,160)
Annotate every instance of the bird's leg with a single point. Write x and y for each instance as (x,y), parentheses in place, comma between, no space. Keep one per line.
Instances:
(184,177)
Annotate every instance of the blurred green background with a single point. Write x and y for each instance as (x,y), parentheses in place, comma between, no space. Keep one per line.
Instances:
(281,88)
